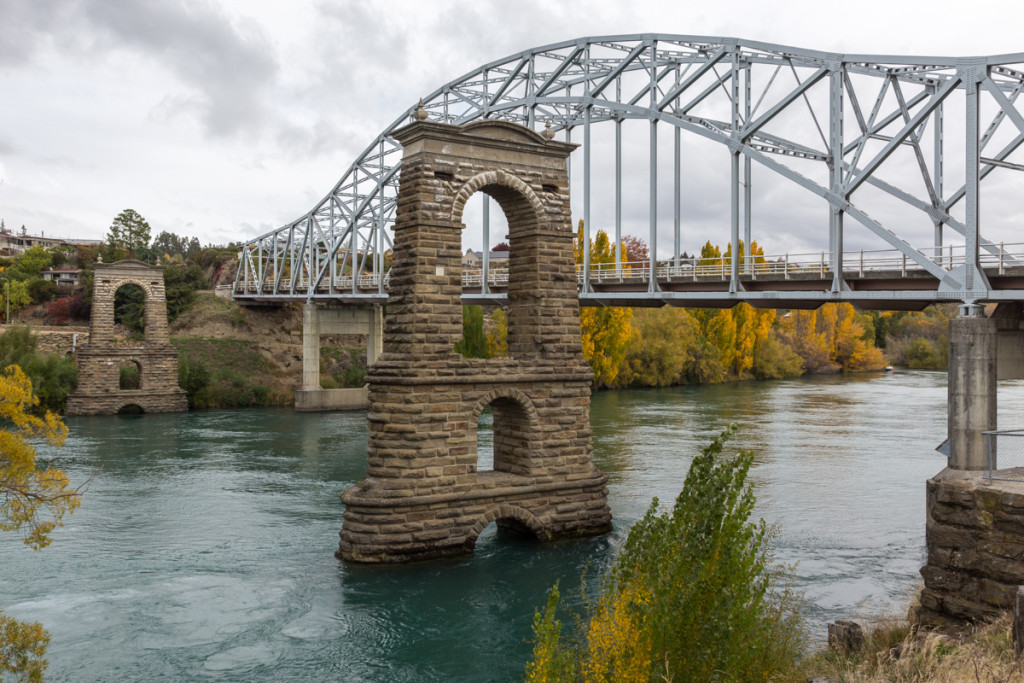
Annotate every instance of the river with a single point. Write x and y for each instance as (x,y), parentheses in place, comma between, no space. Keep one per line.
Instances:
(204,547)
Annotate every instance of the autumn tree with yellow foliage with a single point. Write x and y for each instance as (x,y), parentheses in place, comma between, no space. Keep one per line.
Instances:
(32,501)
(606,330)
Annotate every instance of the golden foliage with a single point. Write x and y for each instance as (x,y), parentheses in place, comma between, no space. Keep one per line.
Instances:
(25,492)
(22,648)
(618,641)
(606,331)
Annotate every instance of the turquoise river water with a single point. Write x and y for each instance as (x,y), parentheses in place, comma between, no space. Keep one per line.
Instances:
(204,547)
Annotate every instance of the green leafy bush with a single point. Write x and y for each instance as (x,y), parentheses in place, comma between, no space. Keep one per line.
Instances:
(694,594)
(53,376)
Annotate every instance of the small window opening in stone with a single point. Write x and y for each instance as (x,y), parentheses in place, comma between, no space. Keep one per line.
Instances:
(445,176)
(549,188)
(130,377)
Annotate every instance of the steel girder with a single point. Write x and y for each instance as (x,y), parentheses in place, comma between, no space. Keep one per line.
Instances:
(779,106)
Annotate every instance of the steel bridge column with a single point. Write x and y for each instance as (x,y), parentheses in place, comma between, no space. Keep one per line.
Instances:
(748,241)
(586,199)
(937,178)
(618,196)
(677,191)
(652,279)
(677,200)
(972,73)
(838,199)
(485,265)
(734,152)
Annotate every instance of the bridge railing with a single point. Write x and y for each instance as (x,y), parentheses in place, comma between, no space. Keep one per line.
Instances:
(1008,445)
(993,258)
(855,263)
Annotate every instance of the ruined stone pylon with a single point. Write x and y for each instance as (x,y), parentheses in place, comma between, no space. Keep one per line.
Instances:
(100,361)
(423,496)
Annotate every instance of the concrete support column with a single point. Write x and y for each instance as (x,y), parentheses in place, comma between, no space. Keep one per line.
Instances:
(310,347)
(375,335)
(972,387)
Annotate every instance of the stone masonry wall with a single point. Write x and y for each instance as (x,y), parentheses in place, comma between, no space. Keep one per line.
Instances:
(101,360)
(975,533)
(61,340)
(423,496)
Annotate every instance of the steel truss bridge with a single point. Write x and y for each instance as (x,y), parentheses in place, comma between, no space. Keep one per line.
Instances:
(913,139)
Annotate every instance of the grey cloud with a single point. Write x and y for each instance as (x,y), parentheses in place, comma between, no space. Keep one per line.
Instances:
(228,66)
(28,26)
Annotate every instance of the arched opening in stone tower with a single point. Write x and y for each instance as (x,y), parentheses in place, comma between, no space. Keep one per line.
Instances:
(130,311)
(129,376)
(503,437)
(485,249)
(505,246)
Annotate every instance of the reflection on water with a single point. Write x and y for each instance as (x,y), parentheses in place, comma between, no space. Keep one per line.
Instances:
(204,549)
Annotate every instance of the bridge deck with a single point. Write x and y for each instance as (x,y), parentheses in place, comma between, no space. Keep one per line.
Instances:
(896,289)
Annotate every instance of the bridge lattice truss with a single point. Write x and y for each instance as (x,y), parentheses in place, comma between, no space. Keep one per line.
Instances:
(831,123)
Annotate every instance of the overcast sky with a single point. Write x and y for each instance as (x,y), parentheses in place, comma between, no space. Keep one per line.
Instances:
(225,119)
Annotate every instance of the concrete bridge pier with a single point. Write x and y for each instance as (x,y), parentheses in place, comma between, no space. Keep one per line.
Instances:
(971,386)
(975,527)
(318,320)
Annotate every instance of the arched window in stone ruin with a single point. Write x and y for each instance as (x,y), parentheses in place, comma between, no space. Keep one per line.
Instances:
(518,273)
(503,428)
(130,375)
(130,310)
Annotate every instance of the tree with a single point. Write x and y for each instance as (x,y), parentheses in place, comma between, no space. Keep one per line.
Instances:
(180,285)
(606,331)
(665,347)
(32,502)
(636,249)
(129,231)
(497,336)
(472,344)
(693,595)
(19,296)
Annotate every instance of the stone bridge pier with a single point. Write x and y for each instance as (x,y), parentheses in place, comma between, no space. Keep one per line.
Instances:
(975,527)
(154,360)
(424,495)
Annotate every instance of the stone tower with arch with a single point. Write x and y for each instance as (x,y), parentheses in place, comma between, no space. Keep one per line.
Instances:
(100,361)
(424,496)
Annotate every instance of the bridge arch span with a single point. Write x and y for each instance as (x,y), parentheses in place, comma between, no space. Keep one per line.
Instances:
(832,124)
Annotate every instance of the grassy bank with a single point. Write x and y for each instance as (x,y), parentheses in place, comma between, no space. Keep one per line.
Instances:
(229,373)
(897,650)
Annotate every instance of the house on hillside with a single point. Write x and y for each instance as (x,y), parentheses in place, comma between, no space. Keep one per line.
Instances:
(472,260)
(63,278)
